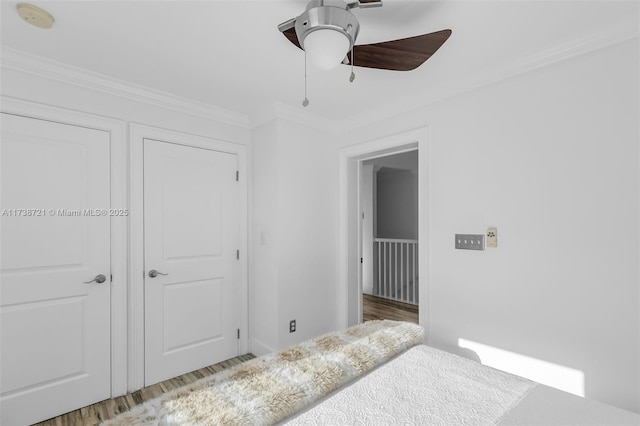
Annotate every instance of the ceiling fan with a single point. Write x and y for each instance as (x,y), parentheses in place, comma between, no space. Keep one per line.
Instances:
(327,32)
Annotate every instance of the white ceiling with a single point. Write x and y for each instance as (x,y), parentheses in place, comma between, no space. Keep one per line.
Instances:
(230,54)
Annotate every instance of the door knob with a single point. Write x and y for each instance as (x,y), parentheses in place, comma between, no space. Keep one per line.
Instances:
(153,273)
(99,279)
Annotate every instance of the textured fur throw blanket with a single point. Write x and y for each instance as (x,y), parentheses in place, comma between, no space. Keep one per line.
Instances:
(269,389)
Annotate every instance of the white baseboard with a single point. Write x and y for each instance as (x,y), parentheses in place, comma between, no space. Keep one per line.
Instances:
(258,348)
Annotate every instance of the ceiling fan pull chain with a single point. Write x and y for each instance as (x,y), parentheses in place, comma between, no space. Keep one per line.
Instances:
(353,75)
(305,102)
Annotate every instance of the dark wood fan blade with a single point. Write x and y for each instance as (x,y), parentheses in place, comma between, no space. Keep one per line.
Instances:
(363,4)
(404,54)
(291,35)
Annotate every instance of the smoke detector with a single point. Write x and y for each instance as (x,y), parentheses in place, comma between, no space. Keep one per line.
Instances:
(35,16)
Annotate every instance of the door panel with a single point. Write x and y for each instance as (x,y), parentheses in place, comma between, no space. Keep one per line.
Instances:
(203,299)
(55,330)
(191,234)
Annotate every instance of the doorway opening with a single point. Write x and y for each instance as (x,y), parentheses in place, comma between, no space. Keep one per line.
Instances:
(350,254)
(388,200)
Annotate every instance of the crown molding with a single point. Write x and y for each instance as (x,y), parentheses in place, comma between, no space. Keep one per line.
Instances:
(279,110)
(16,60)
(570,49)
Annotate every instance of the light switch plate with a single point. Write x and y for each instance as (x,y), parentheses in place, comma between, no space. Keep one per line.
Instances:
(470,241)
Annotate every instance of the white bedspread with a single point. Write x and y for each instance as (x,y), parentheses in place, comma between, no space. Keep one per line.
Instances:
(423,386)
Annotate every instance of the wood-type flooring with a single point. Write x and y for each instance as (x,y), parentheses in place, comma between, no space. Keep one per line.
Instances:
(96,413)
(374,308)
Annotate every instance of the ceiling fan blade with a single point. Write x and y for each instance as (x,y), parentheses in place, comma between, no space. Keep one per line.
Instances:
(369,3)
(404,54)
(363,4)
(291,35)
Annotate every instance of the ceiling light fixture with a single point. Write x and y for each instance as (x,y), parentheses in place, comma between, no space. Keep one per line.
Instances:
(327,30)
(35,16)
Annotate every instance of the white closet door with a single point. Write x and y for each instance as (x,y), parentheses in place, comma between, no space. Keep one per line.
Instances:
(55,329)
(191,214)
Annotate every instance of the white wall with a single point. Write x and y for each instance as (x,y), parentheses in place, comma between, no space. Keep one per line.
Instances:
(263,273)
(295,214)
(309,217)
(550,158)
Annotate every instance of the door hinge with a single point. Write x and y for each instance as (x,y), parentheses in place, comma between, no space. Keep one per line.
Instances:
(238,333)
(360,260)
(363,215)
(238,254)
(111,276)
(237,175)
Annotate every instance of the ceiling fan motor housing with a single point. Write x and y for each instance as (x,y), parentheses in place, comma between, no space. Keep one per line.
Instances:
(327,14)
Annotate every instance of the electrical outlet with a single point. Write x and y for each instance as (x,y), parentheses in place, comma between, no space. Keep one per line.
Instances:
(470,241)
(492,237)
(292,326)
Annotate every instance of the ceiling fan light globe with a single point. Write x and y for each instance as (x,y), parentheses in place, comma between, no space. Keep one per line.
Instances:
(326,48)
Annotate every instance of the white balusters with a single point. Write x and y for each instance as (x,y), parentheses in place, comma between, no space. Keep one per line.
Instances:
(396,269)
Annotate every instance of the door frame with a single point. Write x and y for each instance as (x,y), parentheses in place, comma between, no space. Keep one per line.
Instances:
(118,231)
(137,134)
(349,297)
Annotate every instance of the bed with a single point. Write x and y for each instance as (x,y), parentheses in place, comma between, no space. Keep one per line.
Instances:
(426,386)
(377,373)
